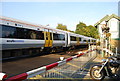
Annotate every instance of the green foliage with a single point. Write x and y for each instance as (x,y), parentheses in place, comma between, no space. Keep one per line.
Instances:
(62,27)
(81,29)
(70,31)
(89,31)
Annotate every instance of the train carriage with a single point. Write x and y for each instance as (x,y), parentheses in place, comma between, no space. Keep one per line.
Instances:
(21,38)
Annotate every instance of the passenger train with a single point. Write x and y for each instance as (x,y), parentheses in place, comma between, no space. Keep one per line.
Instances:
(20,38)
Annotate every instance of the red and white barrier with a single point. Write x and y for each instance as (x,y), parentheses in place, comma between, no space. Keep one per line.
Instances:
(43,69)
(3,76)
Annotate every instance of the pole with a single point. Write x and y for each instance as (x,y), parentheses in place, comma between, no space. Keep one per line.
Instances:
(116,51)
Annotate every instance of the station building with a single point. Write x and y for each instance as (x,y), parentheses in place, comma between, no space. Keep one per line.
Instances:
(113,23)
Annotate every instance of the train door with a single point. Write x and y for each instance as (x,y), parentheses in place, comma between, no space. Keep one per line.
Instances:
(66,39)
(48,38)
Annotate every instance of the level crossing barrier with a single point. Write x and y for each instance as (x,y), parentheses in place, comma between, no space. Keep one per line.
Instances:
(61,69)
(3,76)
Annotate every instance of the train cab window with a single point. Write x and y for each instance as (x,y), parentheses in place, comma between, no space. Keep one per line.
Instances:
(72,38)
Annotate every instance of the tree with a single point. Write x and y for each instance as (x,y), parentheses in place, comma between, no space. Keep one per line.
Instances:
(89,31)
(93,31)
(80,28)
(62,27)
(70,31)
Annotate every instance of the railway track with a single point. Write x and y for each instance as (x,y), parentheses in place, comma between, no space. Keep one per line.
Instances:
(18,65)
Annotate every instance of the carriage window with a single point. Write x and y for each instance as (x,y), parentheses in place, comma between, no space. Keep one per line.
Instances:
(58,36)
(94,40)
(72,38)
(21,33)
(79,39)
(89,40)
(8,32)
(61,37)
(55,36)
(32,34)
(84,40)
(40,35)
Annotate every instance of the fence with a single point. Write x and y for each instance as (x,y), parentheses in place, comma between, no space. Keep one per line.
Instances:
(67,68)
(71,69)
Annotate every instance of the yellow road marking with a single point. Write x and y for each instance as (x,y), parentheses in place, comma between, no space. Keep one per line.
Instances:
(73,65)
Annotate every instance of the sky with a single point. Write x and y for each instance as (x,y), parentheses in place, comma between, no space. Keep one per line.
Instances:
(67,13)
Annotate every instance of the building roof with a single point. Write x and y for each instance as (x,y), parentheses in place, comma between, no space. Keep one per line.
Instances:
(107,18)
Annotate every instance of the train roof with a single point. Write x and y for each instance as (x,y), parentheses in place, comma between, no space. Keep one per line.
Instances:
(8,19)
(27,23)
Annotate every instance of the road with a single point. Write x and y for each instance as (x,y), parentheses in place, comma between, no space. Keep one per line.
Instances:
(18,66)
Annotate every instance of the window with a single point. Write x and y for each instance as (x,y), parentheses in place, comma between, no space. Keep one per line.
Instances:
(21,33)
(89,40)
(39,35)
(72,38)
(61,37)
(84,40)
(94,40)
(8,32)
(58,36)
(79,39)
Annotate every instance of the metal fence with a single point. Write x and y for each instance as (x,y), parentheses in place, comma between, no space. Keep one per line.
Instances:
(71,69)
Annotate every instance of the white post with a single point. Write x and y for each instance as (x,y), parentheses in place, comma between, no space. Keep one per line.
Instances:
(116,51)
(89,47)
(106,46)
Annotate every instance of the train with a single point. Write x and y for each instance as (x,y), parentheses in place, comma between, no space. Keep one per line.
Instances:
(21,38)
